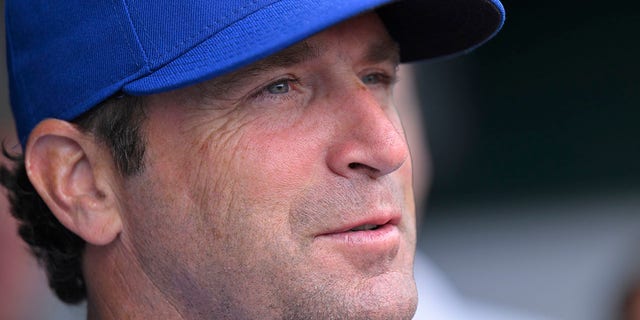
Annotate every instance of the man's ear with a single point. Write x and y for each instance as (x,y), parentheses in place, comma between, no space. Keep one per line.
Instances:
(76,179)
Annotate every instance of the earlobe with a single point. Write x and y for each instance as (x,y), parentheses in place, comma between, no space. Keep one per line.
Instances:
(69,171)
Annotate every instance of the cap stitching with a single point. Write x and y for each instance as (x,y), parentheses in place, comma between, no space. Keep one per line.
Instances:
(112,80)
(205,29)
(135,33)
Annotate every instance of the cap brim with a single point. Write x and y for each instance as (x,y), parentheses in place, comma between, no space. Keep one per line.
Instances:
(441,28)
(424,29)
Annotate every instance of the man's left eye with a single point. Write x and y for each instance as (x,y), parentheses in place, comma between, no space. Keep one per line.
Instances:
(376,78)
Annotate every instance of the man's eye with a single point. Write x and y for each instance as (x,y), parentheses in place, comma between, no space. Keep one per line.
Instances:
(279,87)
(376,78)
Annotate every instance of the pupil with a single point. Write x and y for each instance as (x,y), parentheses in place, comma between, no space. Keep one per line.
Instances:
(369,79)
(281,87)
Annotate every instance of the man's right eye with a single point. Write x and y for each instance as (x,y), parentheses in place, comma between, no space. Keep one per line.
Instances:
(281,86)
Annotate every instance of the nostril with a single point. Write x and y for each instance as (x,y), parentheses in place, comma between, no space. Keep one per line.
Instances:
(358,165)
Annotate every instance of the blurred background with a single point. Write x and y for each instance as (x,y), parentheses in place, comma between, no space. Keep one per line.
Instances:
(535,202)
(535,140)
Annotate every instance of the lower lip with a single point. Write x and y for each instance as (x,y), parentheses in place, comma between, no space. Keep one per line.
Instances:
(385,237)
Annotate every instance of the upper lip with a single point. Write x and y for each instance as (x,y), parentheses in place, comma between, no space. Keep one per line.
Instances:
(377,219)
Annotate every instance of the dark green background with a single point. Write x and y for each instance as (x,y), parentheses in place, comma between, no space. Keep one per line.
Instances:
(551,105)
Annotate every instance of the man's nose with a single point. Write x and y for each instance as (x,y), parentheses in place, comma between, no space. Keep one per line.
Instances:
(369,140)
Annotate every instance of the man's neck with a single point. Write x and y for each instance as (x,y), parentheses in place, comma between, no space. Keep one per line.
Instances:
(118,288)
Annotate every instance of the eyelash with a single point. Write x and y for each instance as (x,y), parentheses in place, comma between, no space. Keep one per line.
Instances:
(381,78)
(264,91)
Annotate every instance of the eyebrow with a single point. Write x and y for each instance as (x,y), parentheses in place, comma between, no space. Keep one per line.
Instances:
(377,52)
(384,50)
(296,54)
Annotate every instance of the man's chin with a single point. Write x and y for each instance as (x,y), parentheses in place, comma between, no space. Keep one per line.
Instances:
(390,295)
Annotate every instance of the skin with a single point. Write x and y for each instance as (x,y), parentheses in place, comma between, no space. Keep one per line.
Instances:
(251,185)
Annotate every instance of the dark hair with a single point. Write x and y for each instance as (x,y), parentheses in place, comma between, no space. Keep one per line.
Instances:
(116,124)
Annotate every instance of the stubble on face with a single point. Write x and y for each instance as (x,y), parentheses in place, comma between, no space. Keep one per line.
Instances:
(372,290)
(236,194)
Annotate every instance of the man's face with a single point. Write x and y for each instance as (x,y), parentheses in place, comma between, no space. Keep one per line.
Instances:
(282,190)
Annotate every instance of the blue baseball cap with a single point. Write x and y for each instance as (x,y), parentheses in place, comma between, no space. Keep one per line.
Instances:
(66,56)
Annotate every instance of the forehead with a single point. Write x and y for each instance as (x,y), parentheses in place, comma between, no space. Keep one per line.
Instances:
(363,37)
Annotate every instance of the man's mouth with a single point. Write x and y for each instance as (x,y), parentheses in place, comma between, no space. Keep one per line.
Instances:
(365,227)
(370,241)
(377,232)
